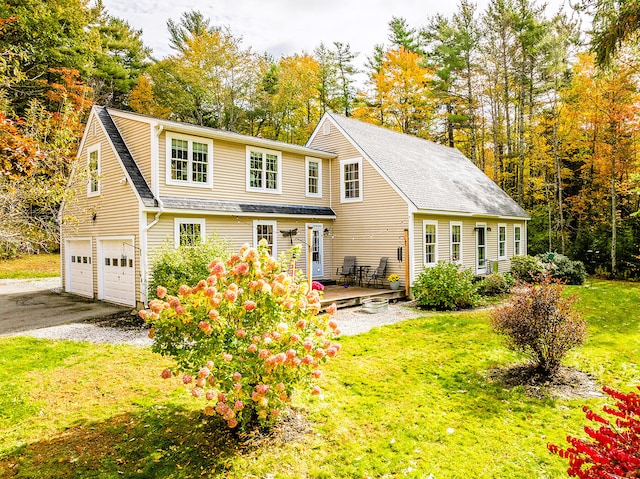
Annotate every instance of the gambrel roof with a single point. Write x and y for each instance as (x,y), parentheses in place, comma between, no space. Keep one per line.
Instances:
(431,176)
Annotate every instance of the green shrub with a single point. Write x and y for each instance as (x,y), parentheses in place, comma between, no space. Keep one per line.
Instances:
(495,284)
(173,267)
(526,268)
(563,268)
(445,287)
(245,337)
(541,323)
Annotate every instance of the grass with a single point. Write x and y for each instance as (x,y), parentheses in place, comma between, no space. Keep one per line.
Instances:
(407,400)
(31,266)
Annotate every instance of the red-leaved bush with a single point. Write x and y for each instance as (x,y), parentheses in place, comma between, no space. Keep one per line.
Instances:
(613,450)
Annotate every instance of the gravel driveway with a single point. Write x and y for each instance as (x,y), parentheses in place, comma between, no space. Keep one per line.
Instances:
(351,321)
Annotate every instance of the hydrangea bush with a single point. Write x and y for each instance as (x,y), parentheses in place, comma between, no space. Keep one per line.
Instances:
(245,337)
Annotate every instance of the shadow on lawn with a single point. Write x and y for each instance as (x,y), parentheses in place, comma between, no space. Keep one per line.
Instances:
(160,442)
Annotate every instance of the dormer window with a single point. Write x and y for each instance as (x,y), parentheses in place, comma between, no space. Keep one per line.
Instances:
(189,160)
(264,170)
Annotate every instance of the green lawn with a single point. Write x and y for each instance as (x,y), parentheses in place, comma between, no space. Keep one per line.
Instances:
(31,266)
(408,400)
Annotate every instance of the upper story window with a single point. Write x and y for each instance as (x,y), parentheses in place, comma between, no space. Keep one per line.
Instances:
(456,242)
(93,170)
(517,240)
(351,180)
(265,230)
(264,170)
(314,177)
(189,160)
(430,239)
(189,231)
(502,241)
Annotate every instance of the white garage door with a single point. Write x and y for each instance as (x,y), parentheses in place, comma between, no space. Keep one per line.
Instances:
(79,268)
(117,271)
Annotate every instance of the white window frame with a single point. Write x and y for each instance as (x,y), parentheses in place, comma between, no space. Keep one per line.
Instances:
(274,225)
(92,149)
(307,162)
(343,163)
(424,244)
(263,189)
(188,221)
(517,242)
(503,243)
(190,140)
(451,243)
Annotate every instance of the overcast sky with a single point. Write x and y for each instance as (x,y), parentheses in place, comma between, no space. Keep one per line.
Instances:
(284,27)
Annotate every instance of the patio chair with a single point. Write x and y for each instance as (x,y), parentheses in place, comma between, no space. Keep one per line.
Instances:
(348,269)
(377,275)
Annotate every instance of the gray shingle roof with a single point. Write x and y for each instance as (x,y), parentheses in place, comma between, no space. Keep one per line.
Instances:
(431,176)
(128,162)
(234,207)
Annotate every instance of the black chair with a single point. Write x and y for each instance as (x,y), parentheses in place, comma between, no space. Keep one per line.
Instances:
(377,275)
(348,269)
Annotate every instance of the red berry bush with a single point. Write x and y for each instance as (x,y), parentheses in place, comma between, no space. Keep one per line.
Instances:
(246,337)
(613,449)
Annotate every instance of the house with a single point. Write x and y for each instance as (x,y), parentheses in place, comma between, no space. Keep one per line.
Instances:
(355,189)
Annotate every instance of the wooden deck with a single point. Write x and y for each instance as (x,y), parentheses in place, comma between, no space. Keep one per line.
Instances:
(353,295)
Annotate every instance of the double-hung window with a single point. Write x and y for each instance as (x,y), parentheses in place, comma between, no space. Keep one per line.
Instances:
(430,242)
(265,230)
(502,241)
(189,160)
(351,180)
(264,170)
(517,240)
(93,169)
(456,242)
(189,231)
(314,177)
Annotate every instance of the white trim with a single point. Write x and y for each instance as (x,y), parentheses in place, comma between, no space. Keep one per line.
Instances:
(188,221)
(320,228)
(307,160)
(216,134)
(503,256)
(478,269)
(274,224)
(460,243)
(170,135)
(517,227)
(263,189)
(351,161)
(90,150)
(154,140)
(411,254)
(435,245)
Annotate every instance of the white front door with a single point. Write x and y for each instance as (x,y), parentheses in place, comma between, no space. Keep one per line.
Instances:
(117,271)
(79,270)
(481,249)
(317,251)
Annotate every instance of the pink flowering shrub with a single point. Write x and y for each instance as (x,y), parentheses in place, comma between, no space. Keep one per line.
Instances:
(245,337)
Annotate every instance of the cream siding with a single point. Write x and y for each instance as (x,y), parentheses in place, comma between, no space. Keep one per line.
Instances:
(368,229)
(238,231)
(229,177)
(468,240)
(137,136)
(115,198)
